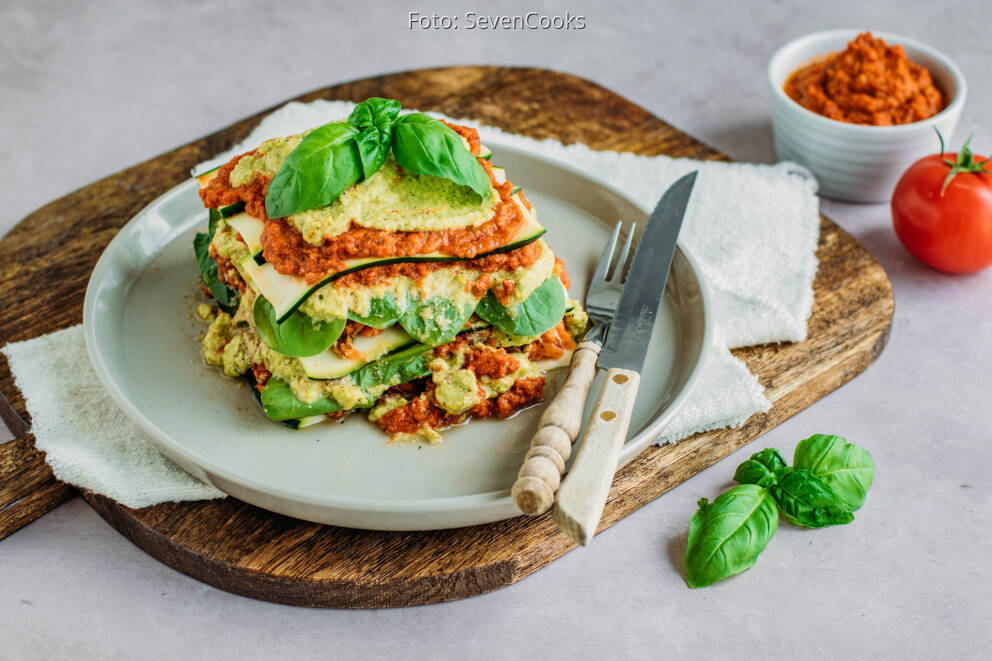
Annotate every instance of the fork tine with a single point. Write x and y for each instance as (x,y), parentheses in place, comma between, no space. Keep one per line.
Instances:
(607,257)
(621,270)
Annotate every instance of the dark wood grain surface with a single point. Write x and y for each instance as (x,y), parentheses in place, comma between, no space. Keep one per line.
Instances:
(47,259)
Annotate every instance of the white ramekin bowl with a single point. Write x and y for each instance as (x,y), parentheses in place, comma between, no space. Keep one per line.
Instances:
(853,161)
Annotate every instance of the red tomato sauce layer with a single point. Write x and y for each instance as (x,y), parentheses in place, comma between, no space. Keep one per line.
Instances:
(289,253)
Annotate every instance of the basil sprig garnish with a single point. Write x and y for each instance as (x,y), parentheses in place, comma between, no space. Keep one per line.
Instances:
(423,145)
(762,468)
(726,536)
(333,157)
(847,469)
(324,165)
(374,119)
(827,482)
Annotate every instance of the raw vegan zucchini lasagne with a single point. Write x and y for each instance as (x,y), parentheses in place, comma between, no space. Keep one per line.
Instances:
(381,263)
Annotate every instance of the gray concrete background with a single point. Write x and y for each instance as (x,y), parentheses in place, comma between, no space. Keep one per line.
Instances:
(89,88)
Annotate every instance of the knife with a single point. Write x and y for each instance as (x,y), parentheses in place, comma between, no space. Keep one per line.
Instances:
(583,492)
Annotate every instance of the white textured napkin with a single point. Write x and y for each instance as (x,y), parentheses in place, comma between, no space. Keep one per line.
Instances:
(752,228)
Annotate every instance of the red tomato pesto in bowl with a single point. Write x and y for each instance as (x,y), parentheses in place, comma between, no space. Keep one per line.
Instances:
(870,82)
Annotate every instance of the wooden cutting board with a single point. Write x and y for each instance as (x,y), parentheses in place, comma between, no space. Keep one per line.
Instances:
(48,257)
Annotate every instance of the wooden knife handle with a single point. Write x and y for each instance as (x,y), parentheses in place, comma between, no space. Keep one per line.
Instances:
(583,493)
(540,475)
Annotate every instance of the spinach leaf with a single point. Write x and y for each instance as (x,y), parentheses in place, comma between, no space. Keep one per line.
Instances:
(213,217)
(374,118)
(400,367)
(808,502)
(322,166)
(383,312)
(847,469)
(299,335)
(279,402)
(226,297)
(424,145)
(761,468)
(539,312)
(434,321)
(726,536)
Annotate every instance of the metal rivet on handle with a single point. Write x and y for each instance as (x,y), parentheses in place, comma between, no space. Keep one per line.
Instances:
(607,415)
(620,378)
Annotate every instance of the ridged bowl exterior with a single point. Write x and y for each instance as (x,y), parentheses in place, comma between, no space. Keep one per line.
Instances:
(855,162)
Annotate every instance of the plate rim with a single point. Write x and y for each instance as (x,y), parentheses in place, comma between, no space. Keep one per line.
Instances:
(451,506)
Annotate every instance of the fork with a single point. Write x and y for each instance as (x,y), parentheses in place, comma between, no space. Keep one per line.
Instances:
(543,467)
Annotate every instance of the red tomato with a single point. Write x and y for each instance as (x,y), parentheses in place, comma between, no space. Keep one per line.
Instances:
(948,228)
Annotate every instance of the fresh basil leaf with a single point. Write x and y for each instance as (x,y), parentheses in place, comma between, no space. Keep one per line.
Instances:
(762,468)
(399,367)
(298,335)
(423,145)
(226,297)
(383,312)
(808,502)
(323,165)
(374,118)
(434,321)
(279,403)
(726,536)
(539,312)
(847,469)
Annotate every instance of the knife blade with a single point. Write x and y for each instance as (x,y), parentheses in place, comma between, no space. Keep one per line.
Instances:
(627,339)
(583,492)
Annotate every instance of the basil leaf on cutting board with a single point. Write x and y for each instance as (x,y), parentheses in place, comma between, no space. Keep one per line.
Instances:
(847,469)
(384,311)
(727,535)
(536,314)
(279,402)
(434,321)
(299,335)
(424,145)
(762,468)
(374,118)
(808,502)
(324,165)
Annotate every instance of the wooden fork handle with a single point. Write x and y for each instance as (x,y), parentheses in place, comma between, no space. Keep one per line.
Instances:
(583,493)
(540,475)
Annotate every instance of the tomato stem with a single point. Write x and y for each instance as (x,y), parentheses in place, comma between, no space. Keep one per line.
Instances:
(965,162)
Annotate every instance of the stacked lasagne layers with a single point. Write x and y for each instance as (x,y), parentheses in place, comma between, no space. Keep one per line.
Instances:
(408,297)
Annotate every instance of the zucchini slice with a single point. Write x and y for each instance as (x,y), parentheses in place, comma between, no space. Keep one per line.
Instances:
(204,179)
(485,152)
(309,421)
(287,292)
(328,365)
(499,174)
(250,229)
